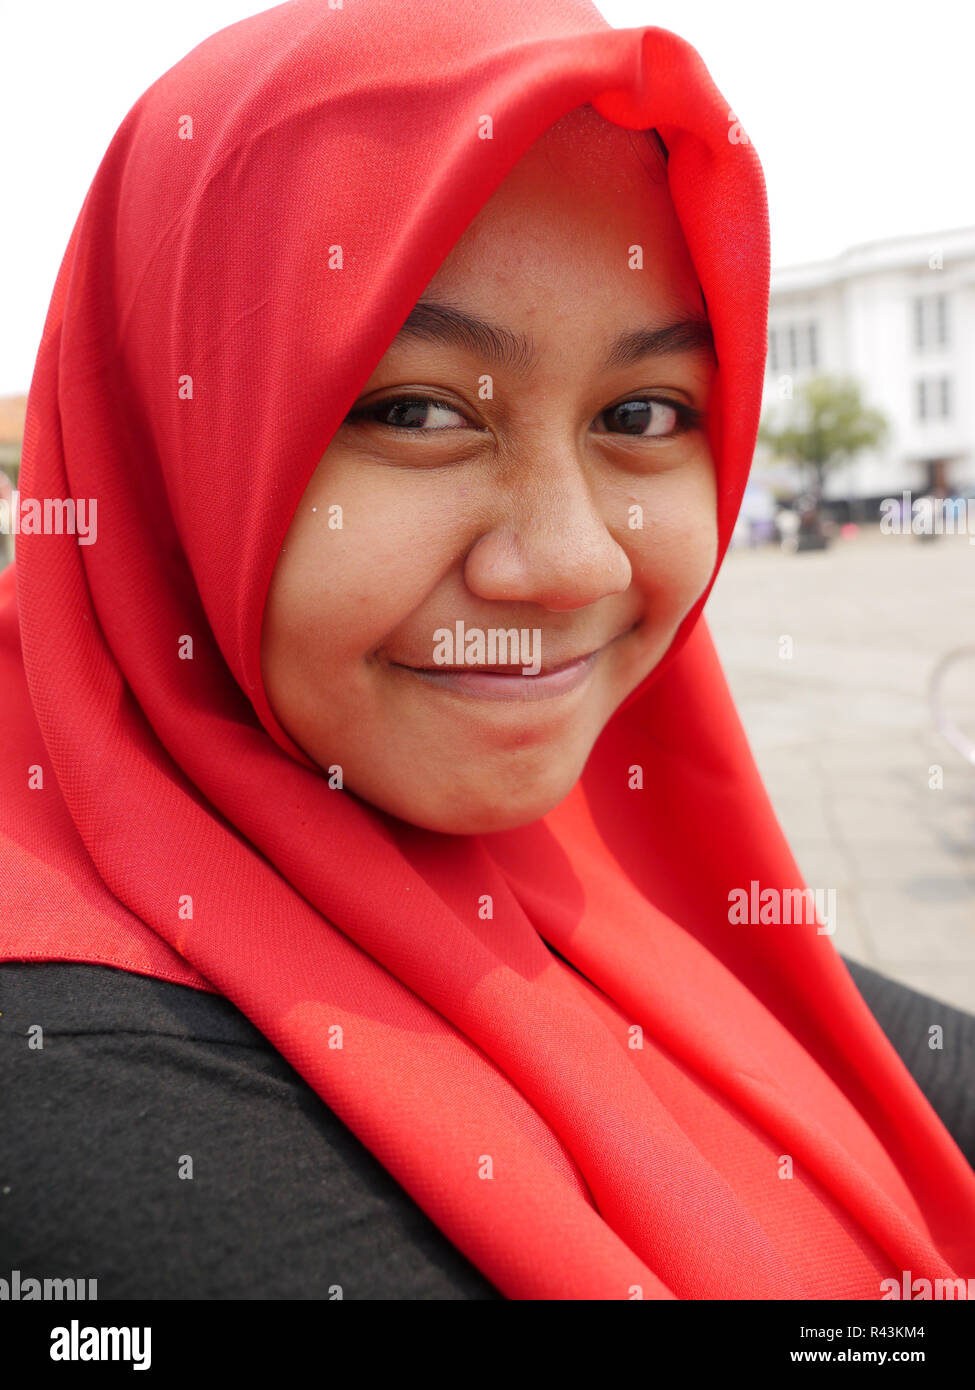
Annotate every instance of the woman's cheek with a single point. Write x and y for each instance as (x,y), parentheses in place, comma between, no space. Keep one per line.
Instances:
(693,525)
(677,547)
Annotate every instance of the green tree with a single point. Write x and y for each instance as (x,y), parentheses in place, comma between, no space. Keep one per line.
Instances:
(825,424)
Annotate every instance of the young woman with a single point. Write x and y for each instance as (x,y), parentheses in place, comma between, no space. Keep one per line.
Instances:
(376,816)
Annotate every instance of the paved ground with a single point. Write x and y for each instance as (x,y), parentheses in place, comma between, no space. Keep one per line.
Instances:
(844,737)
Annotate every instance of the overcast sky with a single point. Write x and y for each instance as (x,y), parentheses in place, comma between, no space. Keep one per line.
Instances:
(860,111)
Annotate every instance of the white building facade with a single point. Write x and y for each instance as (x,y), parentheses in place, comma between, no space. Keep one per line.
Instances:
(899,317)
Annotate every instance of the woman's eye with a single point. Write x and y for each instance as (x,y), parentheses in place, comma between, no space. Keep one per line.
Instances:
(417,414)
(651,418)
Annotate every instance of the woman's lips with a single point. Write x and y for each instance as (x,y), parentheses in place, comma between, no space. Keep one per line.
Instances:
(493,685)
(512,684)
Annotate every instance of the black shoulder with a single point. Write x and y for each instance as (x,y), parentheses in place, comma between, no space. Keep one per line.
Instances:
(935,1041)
(154,1140)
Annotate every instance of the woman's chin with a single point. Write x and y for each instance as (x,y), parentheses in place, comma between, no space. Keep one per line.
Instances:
(478,815)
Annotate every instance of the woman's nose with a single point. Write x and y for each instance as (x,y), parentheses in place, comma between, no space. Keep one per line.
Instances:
(551,544)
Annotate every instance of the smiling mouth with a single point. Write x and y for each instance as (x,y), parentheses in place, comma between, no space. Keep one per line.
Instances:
(517,669)
(508,682)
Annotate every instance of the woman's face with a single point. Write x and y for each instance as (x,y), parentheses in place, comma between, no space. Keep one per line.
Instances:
(561,488)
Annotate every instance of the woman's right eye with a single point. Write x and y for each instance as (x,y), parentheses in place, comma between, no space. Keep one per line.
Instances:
(408,414)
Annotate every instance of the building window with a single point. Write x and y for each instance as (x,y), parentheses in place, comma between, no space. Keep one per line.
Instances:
(793,346)
(930,321)
(773,351)
(933,398)
(919,325)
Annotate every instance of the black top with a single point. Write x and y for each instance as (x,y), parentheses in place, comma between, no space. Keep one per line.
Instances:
(284,1201)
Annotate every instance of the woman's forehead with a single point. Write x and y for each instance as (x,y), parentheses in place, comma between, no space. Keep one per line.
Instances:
(529,254)
(588,199)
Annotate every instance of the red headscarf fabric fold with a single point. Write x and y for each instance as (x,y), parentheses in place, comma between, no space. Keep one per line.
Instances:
(615,1139)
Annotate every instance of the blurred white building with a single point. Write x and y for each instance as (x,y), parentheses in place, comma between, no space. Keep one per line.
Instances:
(899,316)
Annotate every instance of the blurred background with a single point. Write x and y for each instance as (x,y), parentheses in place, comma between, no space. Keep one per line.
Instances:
(845,611)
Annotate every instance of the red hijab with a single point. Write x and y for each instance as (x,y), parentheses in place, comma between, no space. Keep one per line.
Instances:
(628,1137)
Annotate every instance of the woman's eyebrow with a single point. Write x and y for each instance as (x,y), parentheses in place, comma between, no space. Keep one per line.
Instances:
(436,322)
